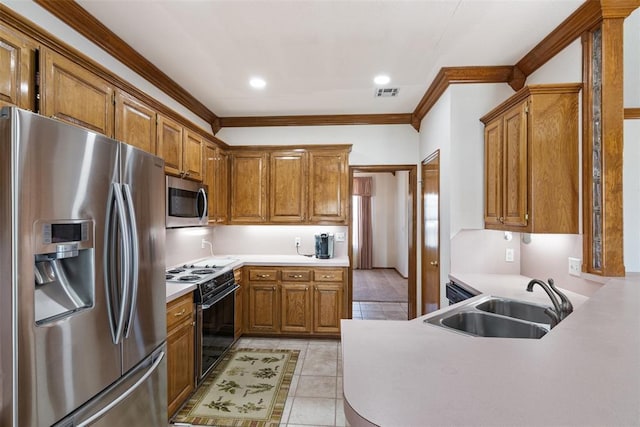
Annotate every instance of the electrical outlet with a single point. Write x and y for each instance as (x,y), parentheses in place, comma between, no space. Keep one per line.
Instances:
(298,242)
(575,266)
(339,237)
(508,255)
(202,244)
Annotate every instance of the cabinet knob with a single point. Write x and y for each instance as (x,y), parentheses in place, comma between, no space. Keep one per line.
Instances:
(434,263)
(327,276)
(295,276)
(273,288)
(184,310)
(501,219)
(264,276)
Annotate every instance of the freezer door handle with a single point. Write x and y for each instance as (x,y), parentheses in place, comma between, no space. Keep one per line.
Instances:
(124,395)
(135,258)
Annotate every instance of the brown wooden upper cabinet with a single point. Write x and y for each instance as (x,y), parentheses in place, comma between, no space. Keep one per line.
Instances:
(135,122)
(249,187)
(288,187)
(17,70)
(328,186)
(73,94)
(180,148)
(531,161)
(216,176)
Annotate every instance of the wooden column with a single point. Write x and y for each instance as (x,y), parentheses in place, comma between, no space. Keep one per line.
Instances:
(610,130)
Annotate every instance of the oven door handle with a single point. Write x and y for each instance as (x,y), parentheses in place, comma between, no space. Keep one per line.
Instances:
(209,303)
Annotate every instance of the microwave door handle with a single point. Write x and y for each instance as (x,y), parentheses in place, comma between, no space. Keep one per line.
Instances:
(203,193)
(126,260)
(135,258)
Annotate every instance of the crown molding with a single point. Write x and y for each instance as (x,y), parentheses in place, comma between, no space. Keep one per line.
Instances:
(583,19)
(631,113)
(72,14)
(317,120)
(452,75)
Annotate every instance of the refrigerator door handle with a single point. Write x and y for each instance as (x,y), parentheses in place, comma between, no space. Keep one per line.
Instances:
(126,261)
(124,395)
(203,193)
(110,237)
(135,258)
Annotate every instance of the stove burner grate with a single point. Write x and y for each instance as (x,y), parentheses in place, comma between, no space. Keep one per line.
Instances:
(202,271)
(189,278)
(176,271)
(168,276)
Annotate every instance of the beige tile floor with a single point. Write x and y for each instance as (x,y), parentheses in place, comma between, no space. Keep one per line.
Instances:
(380,310)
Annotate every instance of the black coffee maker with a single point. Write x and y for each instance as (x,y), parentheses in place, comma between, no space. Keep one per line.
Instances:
(324,245)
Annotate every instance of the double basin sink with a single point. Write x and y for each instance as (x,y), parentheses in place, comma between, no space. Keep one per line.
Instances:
(496,317)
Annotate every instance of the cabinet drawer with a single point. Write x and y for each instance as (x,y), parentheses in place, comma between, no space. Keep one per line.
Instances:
(179,310)
(263,274)
(328,275)
(295,275)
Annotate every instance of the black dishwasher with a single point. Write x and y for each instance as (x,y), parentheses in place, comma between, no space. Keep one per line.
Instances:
(457,293)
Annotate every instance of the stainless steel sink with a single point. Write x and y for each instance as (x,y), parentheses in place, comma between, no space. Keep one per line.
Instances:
(488,325)
(517,309)
(495,317)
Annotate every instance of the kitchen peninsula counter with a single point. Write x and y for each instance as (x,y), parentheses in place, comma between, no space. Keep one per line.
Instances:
(583,372)
(175,290)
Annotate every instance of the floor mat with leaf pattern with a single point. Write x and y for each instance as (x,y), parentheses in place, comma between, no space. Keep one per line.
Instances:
(248,388)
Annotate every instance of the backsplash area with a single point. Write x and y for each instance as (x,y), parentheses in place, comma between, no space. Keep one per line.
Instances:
(483,251)
(184,244)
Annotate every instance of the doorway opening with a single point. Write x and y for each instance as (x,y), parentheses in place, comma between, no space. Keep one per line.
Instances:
(382,242)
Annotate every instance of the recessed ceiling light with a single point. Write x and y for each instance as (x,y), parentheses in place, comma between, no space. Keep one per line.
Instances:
(381,79)
(257,83)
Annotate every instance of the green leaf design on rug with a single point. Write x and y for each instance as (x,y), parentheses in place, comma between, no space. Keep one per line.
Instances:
(250,406)
(271,359)
(221,406)
(258,388)
(228,386)
(238,370)
(266,373)
(246,358)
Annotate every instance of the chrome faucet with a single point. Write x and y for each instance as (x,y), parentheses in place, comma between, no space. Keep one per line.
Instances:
(561,309)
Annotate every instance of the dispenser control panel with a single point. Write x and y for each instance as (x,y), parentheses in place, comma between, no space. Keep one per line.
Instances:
(65,232)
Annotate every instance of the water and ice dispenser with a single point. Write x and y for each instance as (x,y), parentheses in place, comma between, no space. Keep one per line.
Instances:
(64,269)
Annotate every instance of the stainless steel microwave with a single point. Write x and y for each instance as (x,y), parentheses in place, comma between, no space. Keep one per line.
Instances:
(186,203)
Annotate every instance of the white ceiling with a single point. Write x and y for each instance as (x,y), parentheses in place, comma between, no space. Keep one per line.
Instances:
(320,56)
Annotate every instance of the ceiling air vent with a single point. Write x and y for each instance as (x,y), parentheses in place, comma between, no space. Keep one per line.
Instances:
(386,92)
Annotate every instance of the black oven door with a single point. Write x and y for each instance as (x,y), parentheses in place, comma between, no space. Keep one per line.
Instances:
(216,326)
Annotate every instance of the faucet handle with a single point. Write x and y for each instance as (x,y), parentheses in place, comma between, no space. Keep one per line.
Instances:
(567,307)
(555,318)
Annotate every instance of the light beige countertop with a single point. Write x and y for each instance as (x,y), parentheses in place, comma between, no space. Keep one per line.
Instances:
(175,290)
(585,371)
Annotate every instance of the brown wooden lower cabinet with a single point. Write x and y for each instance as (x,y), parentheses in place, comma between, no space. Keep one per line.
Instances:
(295,301)
(180,352)
(239,306)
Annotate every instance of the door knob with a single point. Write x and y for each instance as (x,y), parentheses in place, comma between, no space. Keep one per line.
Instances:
(434,263)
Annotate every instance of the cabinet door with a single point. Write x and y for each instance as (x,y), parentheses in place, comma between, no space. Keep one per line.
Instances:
(515,167)
(192,155)
(296,307)
(264,307)
(221,190)
(328,186)
(239,307)
(493,173)
(75,95)
(248,191)
(209,155)
(327,307)
(17,69)
(170,145)
(135,122)
(288,187)
(180,365)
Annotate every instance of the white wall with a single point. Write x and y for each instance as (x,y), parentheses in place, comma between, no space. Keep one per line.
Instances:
(565,67)
(631,195)
(372,144)
(62,31)
(185,244)
(483,251)
(401,228)
(632,60)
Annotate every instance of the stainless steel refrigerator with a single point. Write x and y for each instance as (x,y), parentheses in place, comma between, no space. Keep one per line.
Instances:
(82,290)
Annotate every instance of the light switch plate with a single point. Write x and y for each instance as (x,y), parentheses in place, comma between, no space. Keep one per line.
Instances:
(339,237)
(575,266)
(508,255)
